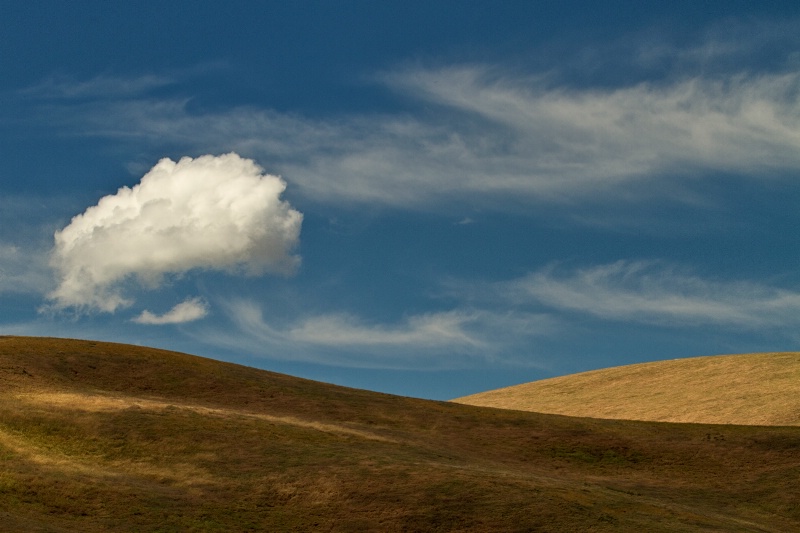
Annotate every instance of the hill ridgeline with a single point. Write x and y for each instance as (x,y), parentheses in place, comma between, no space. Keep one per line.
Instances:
(748,389)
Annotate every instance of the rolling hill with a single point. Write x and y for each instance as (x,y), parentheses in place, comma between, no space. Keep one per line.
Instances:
(108,437)
(753,389)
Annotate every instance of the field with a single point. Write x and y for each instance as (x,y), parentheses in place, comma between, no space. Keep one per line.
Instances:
(754,389)
(108,437)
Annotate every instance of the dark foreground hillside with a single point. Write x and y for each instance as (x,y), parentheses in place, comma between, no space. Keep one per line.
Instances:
(107,437)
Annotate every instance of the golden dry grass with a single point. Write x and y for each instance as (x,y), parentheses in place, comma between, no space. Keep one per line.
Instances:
(107,437)
(752,389)
(96,403)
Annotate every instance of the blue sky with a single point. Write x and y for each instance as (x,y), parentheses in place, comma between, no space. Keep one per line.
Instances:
(423,198)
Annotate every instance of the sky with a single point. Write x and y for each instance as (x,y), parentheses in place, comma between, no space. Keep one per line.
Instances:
(429,199)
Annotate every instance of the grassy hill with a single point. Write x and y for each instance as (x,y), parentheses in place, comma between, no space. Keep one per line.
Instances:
(108,437)
(757,389)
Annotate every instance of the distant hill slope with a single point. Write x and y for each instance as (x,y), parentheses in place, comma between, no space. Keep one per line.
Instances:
(98,437)
(753,389)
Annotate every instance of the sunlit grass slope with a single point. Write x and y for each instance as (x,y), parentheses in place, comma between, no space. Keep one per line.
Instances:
(758,389)
(106,437)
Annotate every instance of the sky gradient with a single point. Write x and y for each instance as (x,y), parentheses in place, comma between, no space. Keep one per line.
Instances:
(424,198)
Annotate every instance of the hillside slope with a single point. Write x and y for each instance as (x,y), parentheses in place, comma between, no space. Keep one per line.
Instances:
(107,437)
(754,389)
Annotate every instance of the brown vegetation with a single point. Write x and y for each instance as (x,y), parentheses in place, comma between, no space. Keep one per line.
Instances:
(753,389)
(106,437)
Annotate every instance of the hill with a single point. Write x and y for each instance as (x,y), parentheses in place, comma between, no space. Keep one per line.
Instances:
(108,437)
(754,389)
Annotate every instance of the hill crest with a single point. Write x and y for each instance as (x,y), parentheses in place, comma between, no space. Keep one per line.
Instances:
(109,437)
(747,389)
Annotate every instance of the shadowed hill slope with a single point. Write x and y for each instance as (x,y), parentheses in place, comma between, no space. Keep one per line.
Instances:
(753,389)
(107,437)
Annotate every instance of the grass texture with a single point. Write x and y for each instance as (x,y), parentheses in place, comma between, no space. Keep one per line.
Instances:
(751,389)
(108,437)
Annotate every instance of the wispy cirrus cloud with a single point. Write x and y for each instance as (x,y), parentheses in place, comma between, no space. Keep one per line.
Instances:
(442,329)
(428,330)
(448,338)
(575,137)
(496,135)
(500,135)
(656,293)
(23,270)
(25,243)
(494,320)
(187,311)
(102,86)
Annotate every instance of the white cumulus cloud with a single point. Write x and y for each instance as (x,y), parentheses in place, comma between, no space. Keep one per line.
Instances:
(186,311)
(214,213)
